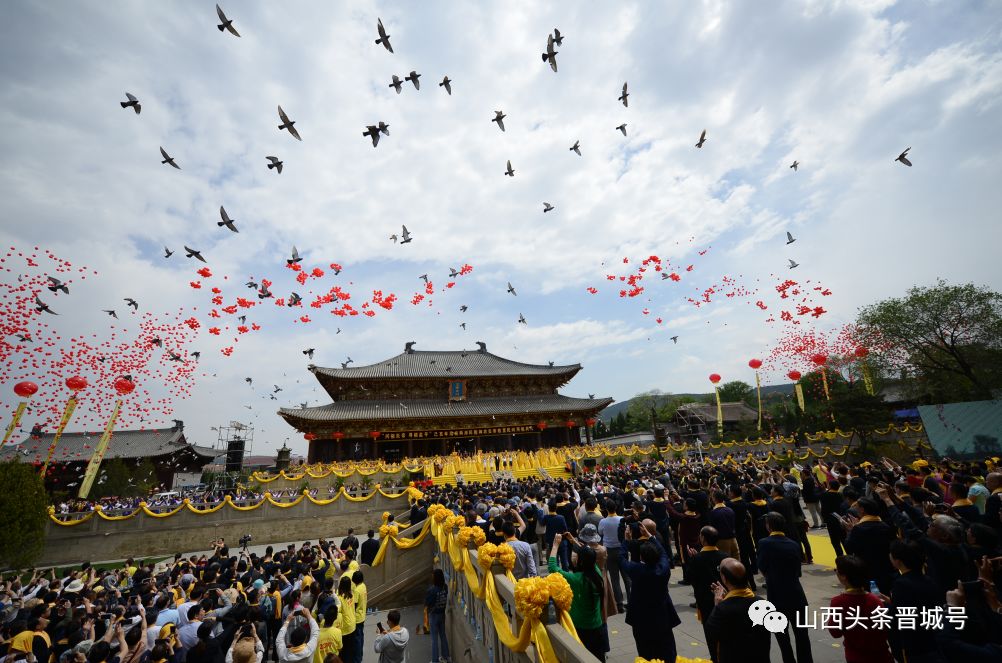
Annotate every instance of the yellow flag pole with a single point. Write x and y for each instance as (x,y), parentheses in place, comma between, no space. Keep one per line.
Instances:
(18,413)
(71,405)
(95,460)
(720,414)
(828,396)
(800,395)
(758,387)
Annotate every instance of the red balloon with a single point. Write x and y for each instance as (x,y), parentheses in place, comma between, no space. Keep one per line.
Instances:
(794,375)
(714,378)
(124,386)
(862,352)
(76,383)
(819,359)
(25,389)
(755,364)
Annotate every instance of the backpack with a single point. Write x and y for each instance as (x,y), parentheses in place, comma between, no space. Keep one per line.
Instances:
(267,605)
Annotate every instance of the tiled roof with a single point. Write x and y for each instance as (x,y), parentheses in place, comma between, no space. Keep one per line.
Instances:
(445,364)
(78,447)
(731,411)
(413,409)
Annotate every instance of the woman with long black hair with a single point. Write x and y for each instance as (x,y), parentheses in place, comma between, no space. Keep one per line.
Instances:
(586,581)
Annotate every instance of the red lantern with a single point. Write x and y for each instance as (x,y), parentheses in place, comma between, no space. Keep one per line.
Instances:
(541,425)
(570,424)
(794,375)
(755,364)
(714,378)
(25,389)
(339,436)
(862,352)
(819,359)
(76,383)
(589,422)
(310,436)
(374,434)
(124,386)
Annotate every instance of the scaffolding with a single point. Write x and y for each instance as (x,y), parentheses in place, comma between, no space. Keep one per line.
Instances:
(234,442)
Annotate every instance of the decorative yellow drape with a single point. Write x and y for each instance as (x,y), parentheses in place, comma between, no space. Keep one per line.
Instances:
(18,413)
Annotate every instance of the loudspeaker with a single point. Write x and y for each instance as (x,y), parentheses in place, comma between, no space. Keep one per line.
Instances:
(234,455)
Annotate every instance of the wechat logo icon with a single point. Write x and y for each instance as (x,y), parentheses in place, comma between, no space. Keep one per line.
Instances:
(764,613)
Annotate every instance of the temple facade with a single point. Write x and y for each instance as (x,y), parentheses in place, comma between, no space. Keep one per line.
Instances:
(426,403)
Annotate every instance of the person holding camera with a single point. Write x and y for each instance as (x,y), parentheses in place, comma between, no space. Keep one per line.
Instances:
(296,644)
(247,646)
(391,644)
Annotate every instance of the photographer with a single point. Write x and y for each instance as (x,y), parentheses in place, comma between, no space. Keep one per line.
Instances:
(247,646)
(297,644)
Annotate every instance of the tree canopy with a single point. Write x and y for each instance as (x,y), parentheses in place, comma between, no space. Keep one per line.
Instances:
(948,337)
(23,512)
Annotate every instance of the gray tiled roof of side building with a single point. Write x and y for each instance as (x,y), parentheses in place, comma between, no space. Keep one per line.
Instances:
(479,407)
(78,447)
(461,363)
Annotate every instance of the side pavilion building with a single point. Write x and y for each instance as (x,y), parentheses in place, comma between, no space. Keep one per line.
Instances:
(426,403)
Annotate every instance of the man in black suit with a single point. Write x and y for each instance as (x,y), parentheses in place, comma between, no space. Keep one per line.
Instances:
(650,611)
(913,589)
(743,531)
(870,540)
(832,507)
(993,505)
(703,574)
(369,548)
(779,560)
(350,541)
(736,639)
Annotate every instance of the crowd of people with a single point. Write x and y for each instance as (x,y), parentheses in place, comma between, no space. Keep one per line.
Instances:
(917,559)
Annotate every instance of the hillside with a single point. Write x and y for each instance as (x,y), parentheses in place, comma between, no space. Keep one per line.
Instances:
(622,406)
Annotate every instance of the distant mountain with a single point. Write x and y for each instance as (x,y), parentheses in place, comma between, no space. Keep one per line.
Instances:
(622,406)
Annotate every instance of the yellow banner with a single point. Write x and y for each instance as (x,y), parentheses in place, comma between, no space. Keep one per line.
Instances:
(18,413)
(720,415)
(867,378)
(67,413)
(95,461)
(758,387)
(800,395)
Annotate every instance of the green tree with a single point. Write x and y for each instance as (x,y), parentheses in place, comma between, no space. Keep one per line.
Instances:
(948,336)
(736,391)
(23,512)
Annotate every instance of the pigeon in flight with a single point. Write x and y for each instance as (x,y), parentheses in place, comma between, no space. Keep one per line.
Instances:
(275,163)
(243,318)
(625,97)
(309,352)
(463,308)
(463,325)
(397,84)
(251,284)
(277,389)
(521,319)
(226,24)
(511,289)
(294,300)
(344,364)
(111,312)
(372,131)
(157,342)
(789,238)
(509,172)
(56,285)
(591,396)
(547,207)
(405,236)
(499,117)
(702,139)
(793,264)
(453,273)
(413,78)
(24,338)
(303,406)
(794,165)
(287,124)
(42,307)
(227,221)
(576,147)
(447,84)
(249,381)
(168,159)
(674,339)
(173,356)
(167,252)
(394,238)
(192,253)
(903,157)
(550,55)
(264,293)
(132,302)
(384,128)
(622,128)
(133,102)
(196,355)
(558,38)
(664,276)
(384,38)
(295,257)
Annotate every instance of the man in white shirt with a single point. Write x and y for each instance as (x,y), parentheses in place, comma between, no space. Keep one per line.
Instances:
(608,528)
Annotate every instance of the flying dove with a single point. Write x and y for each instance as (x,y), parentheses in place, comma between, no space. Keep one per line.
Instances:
(453,273)
(405,236)
(295,257)
(226,24)
(42,307)
(509,171)
(789,238)
(463,308)
(192,253)
(794,165)
(372,131)
(511,289)
(168,159)
(309,352)
(287,124)
(550,55)
(576,147)
(132,302)
(413,78)
(625,97)
(55,285)
(227,221)
(674,339)
(397,84)
(558,38)
(793,264)
(167,252)
(547,207)
(702,139)
(384,38)
(622,128)
(499,117)
(111,313)
(133,102)
(447,84)
(294,300)
(275,163)
(521,319)
(903,157)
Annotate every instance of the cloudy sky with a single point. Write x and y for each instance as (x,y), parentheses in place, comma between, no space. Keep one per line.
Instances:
(841,87)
